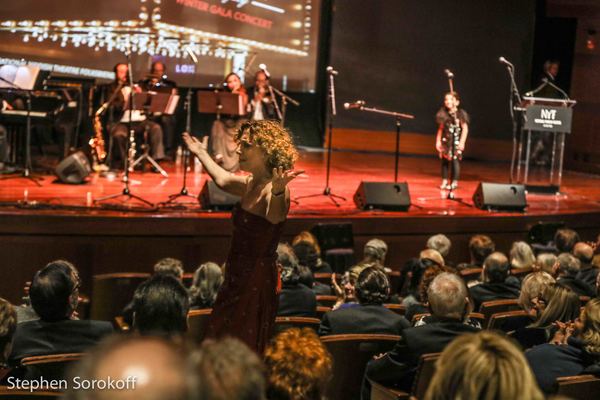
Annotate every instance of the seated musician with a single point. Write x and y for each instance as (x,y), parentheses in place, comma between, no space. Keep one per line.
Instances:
(120,115)
(157,81)
(260,103)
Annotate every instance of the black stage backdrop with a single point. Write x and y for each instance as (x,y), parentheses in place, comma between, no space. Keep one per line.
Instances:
(392,54)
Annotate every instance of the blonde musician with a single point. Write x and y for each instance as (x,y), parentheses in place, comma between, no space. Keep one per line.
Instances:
(453,129)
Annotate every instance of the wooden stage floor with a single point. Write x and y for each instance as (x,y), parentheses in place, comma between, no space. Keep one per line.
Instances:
(39,224)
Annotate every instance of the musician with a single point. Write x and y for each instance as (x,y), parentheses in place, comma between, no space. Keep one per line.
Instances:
(119,112)
(223,146)
(453,128)
(260,103)
(157,81)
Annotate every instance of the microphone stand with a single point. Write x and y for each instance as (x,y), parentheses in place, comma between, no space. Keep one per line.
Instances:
(331,113)
(126,192)
(514,95)
(284,100)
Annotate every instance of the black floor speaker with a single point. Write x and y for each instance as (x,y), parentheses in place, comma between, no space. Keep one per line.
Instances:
(500,196)
(213,198)
(383,196)
(73,169)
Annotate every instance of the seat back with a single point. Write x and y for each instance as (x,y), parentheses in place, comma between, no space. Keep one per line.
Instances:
(52,366)
(284,323)
(321,310)
(471,274)
(323,277)
(425,372)
(197,322)
(112,292)
(380,392)
(581,387)
(489,308)
(397,308)
(326,301)
(351,353)
(509,320)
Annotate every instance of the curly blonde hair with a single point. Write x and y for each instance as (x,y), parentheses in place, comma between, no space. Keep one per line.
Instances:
(298,365)
(273,139)
(591,327)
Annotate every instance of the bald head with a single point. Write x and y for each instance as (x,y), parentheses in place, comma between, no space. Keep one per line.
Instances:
(448,296)
(153,367)
(496,267)
(583,252)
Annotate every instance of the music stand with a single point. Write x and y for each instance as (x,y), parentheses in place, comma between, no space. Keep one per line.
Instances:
(220,102)
(153,102)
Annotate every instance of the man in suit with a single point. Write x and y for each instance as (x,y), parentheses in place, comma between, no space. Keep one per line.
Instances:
(295,299)
(566,269)
(54,296)
(585,254)
(369,316)
(497,282)
(449,303)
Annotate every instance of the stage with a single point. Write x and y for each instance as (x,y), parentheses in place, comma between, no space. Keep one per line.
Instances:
(57,220)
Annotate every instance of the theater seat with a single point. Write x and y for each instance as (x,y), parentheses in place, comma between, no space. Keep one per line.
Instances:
(471,274)
(112,292)
(397,308)
(326,301)
(284,323)
(350,356)
(52,366)
(197,320)
(509,321)
(581,387)
(488,308)
(321,310)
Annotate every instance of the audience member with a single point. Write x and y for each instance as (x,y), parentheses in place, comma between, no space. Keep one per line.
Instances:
(227,369)
(307,250)
(521,256)
(575,350)
(532,289)
(369,316)
(374,254)
(440,243)
(565,239)
(153,369)
(8,324)
(295,299)
(54,295)
(482,366)
(423,306)
(205,285)
(427,258)
(585,253)
(170,266)
(497,282)
(480,247)
(545,262)
(345,294)
(449,303)
(566,269)
(160,306)
(298,366)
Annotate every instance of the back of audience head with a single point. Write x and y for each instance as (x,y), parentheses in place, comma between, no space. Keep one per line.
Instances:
(306,276)
(309,238)
(54,291)
(170,266)
(590,327)
(375,251)
(448,297)
(431,257)
(428,276)
(480,247)
(228,369)
(532,288)
(565,239)
(372,286)
(558,303)
(483,366)
(441,243)
(160,306)
(158,367)
(545,262)
(8,325)
(288,262)
(566,265)
(306,248)
(298,366)
(521,256)
(583,252)
(205,285)
(496,268)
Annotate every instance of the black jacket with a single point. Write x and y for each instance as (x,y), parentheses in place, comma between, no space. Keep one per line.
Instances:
(509,289)
(37,338)
(363,319)
(297,301)
(397,368)
(576,285)
(588,274)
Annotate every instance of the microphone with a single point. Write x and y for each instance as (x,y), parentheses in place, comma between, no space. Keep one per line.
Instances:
(331,71)
(449,73)
(356,104)
(505,62)
(263,68)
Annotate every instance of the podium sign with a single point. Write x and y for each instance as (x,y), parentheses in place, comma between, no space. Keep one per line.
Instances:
(548,118)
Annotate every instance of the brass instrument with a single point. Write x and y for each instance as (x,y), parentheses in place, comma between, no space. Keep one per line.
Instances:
(97,142)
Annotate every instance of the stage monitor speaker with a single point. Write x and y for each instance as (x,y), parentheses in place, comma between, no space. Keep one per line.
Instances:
(500,196)
(73,169)
(383,196)
(214,198)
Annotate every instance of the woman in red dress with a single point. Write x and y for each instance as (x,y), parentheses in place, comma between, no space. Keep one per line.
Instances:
(247,302)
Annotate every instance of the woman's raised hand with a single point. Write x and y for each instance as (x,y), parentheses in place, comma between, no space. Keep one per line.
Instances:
(196,146)
(281,178)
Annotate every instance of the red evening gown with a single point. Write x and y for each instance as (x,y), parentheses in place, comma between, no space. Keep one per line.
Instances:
(246,305)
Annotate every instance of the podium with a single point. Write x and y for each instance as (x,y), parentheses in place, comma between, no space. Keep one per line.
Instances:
(544,118)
